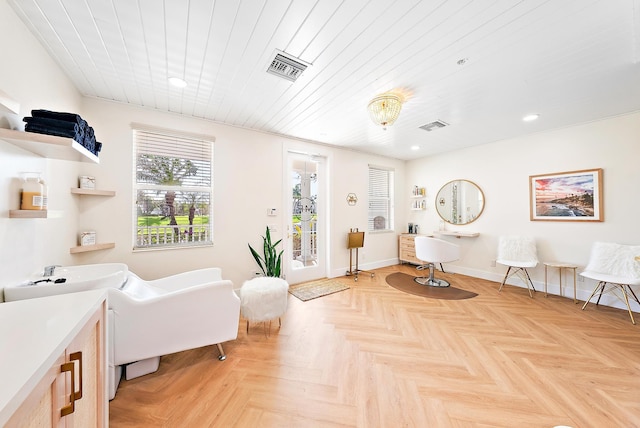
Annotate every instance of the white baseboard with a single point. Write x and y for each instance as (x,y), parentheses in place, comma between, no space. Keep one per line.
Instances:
(364,266)
(553,288)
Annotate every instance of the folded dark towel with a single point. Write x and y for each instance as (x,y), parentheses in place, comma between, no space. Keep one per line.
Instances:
(50,130)
(62,124)
(69,117)
(53,123)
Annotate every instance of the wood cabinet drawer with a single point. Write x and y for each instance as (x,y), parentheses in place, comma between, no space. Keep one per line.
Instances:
(407,249)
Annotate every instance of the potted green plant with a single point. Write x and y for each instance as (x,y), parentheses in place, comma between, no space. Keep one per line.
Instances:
(271,261)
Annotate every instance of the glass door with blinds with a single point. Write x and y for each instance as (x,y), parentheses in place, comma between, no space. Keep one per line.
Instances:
(306,229)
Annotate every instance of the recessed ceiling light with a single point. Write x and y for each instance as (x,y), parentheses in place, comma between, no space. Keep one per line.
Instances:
(415,147)
(530,117)
(177,82)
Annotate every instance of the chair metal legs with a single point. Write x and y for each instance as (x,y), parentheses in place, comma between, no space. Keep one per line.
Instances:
(222,355)
(430,280)
(523,274)
(600,289)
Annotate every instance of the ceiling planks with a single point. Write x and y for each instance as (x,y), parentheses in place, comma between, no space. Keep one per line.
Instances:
(571,61)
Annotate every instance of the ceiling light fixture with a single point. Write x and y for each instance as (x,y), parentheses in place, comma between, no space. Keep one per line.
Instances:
(385,109)
(530,117)
(177,82)
(415,147)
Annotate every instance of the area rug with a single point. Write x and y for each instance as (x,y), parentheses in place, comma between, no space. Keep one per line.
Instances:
(314,289)
(404,282)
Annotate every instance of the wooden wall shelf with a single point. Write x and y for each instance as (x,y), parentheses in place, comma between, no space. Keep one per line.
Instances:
(96,247)
(48,146)
(457,234)
(28,213)
(92,192)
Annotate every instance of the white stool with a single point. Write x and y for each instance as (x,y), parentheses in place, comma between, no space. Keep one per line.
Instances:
(263,299)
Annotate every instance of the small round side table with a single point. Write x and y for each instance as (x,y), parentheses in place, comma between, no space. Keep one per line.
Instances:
(560,266)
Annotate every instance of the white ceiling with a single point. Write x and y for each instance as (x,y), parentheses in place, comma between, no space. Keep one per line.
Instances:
(571,61)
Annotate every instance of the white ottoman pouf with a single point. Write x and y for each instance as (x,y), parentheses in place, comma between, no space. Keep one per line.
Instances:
(263,299)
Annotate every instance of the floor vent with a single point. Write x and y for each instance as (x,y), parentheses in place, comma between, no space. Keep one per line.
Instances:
(287,67)
(434,125)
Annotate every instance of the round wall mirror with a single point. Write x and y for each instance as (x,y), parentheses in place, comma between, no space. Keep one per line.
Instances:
(460,202)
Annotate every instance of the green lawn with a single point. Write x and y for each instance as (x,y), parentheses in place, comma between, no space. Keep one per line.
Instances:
(156,220)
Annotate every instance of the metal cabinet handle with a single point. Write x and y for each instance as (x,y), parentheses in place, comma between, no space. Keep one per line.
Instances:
(69,408)
(75,395)
(77,356)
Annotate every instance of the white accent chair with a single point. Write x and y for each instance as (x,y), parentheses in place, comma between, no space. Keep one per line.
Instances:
(517,253)
(149,319)
(617,266)
(433,250)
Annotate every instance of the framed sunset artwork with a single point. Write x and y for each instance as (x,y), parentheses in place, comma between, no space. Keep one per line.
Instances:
(567,196)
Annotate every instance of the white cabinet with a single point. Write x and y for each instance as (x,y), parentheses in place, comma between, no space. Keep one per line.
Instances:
(53,361)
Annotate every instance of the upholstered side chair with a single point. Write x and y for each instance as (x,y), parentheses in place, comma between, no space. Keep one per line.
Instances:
(518,253)
(616,268)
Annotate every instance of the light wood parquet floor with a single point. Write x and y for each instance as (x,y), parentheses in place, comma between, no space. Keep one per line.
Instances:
(372,356)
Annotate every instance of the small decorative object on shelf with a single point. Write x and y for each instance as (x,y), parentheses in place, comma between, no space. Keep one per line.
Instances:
(87,182)
(418,192)
(87,238)
(33,193)
(419,205)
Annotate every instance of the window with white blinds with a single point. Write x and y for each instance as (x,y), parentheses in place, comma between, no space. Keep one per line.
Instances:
(173,187)
(380,199)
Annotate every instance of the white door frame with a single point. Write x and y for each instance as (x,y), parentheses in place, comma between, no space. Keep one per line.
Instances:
(307,273)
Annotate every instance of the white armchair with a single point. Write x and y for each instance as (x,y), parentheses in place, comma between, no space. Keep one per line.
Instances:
(184,311)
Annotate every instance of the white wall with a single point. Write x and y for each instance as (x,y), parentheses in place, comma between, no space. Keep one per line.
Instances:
(502,171)
(29,76)
(248,179)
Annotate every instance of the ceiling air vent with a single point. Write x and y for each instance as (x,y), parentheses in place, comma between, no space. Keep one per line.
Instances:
(434,125)
(287,67)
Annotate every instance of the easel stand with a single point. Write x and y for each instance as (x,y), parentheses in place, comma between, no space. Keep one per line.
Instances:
(355,241)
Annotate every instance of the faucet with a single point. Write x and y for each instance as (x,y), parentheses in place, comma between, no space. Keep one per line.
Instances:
(49,270)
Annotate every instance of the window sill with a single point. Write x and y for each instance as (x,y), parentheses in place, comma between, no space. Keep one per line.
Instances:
(170,247)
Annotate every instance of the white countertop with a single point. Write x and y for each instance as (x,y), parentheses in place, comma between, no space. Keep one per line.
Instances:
(33,333)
